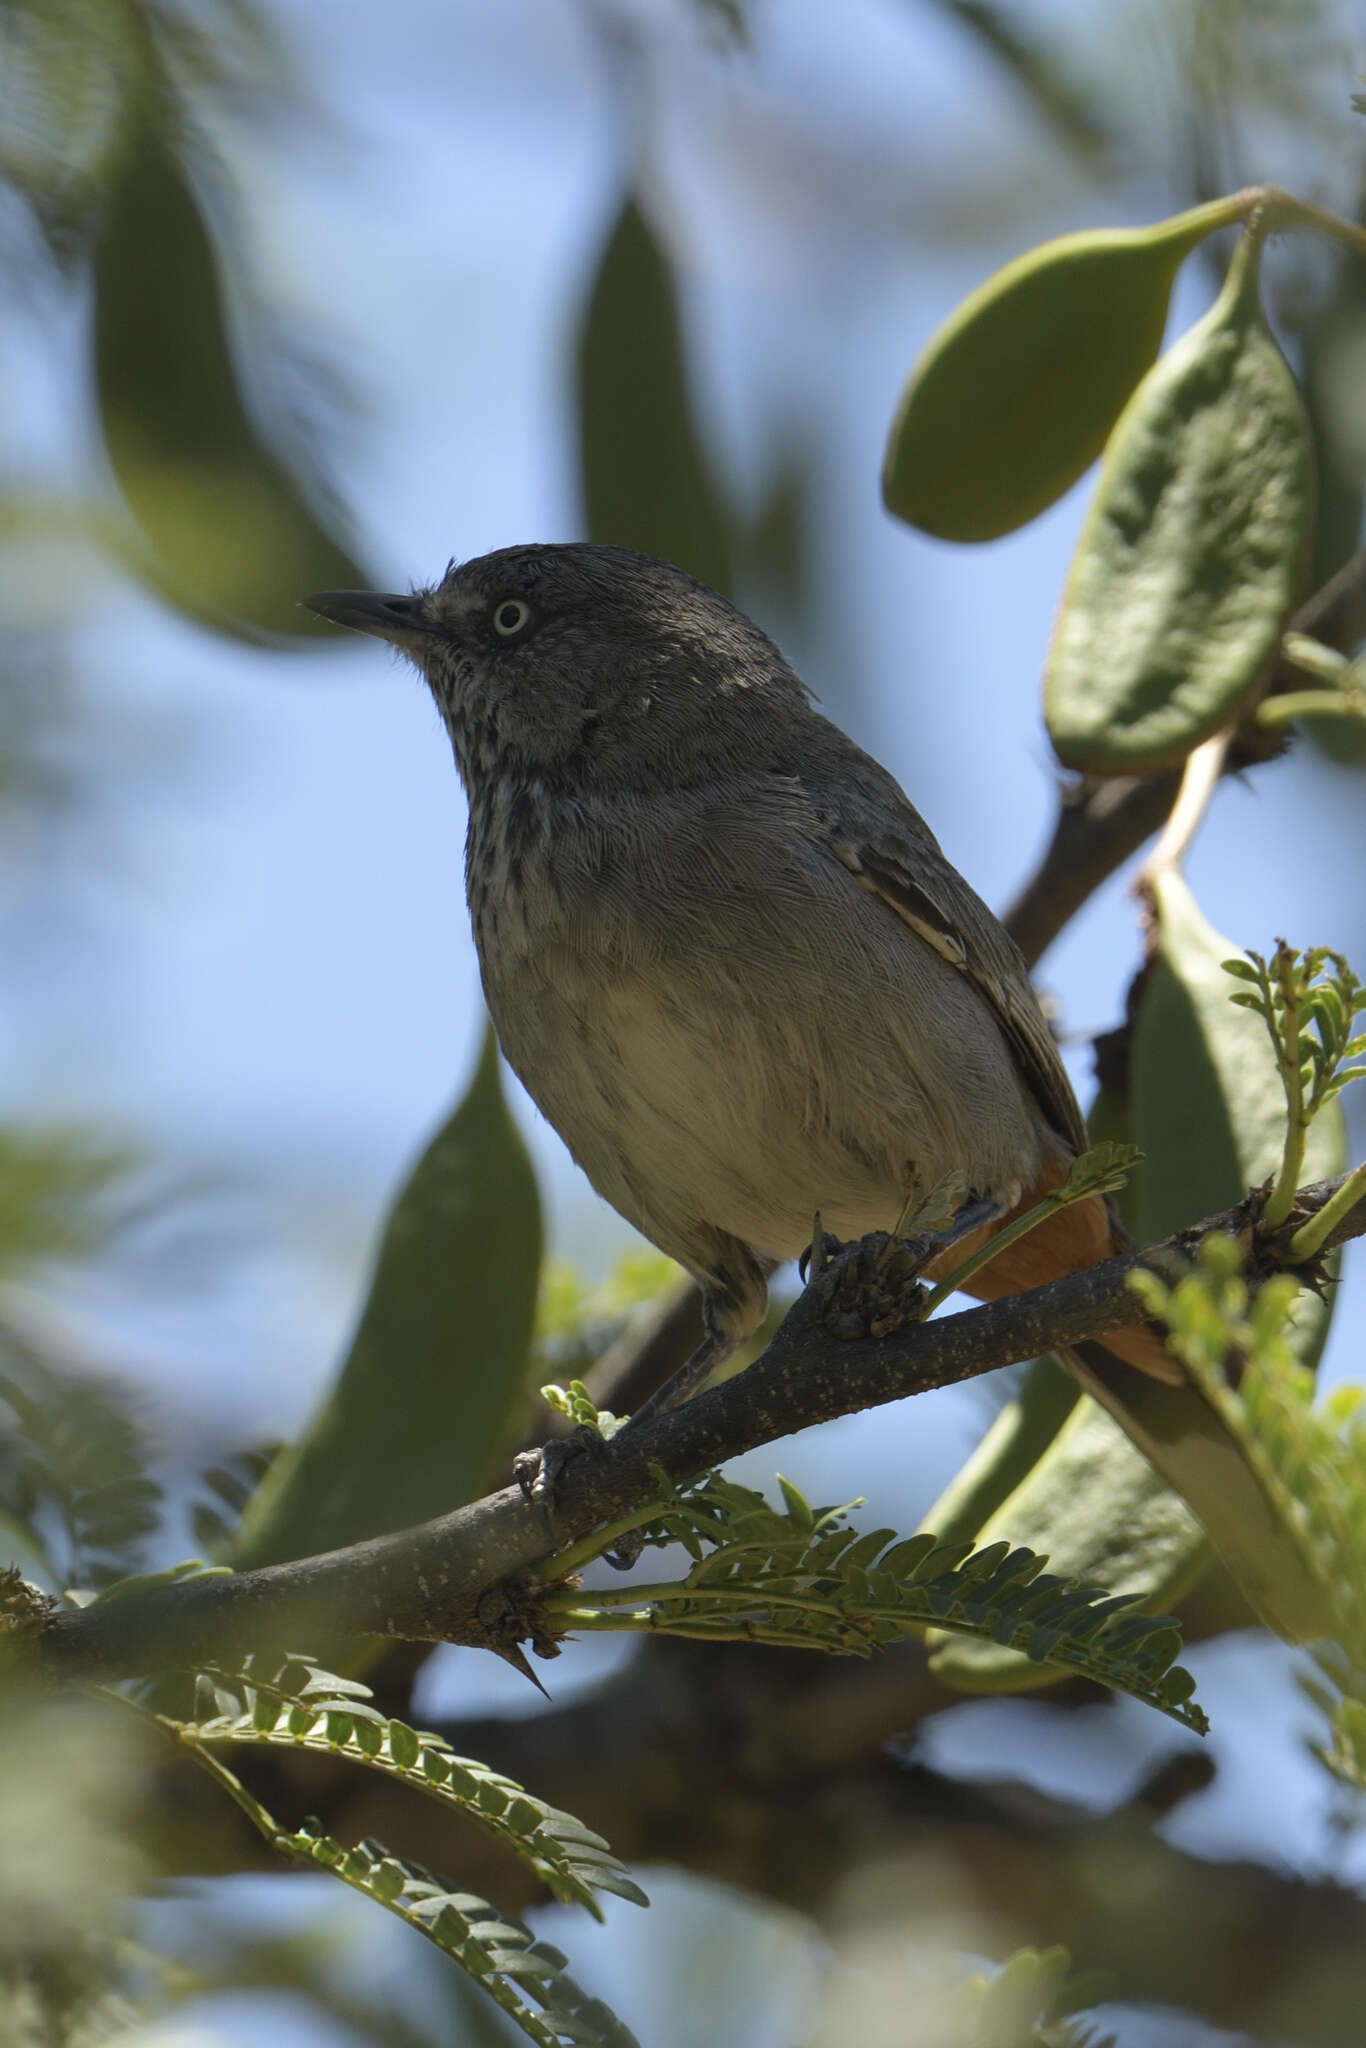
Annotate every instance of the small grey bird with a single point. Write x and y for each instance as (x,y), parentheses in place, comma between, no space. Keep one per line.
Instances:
(722,951)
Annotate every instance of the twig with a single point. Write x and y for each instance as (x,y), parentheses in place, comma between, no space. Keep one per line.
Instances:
(1199,780)
(447,1580)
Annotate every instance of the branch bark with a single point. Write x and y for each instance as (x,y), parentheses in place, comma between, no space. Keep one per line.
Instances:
(448,1579)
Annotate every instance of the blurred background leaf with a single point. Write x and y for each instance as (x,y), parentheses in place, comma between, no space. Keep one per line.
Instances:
(646,477)
(420,1418)
(231,537)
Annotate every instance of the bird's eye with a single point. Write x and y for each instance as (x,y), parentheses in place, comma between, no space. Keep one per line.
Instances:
(511,617)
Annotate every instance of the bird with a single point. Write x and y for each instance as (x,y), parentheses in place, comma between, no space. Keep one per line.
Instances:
(721,949)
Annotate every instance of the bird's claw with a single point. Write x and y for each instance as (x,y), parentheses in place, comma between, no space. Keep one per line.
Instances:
(538,1472)
(872,1287)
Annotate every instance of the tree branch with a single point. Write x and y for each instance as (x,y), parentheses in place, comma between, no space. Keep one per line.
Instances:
(444,1580)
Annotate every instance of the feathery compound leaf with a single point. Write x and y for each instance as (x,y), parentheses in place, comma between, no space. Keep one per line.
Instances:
(1309,1457)
(802,1580)
(73,1471)
(48,1182)
(1308,1003)
(527,1978)
(301,1706)
(1091,1501)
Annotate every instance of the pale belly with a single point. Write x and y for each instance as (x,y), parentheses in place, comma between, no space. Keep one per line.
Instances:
(716,1100)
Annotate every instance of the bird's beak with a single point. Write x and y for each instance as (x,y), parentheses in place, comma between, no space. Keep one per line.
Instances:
(400,620)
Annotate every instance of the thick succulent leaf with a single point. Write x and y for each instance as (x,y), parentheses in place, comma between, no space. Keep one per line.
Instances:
(1207,1111)
(1333,353)
(1018,1438)
(1099,1511)
(1209,1115)
(419,1418)
(1016,394)
(646,483)
(223,530)
(1193,550)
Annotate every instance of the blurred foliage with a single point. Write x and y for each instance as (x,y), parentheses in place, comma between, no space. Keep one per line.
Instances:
(422,1413)
(646,480)
(77,1500)
(49,1181)
(1310,1455)
(101,142)
(1031,2001)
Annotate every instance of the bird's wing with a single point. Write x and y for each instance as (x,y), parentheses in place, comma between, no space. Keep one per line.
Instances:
(913,878)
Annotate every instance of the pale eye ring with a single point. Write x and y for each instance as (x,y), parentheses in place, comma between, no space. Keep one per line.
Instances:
(510,617)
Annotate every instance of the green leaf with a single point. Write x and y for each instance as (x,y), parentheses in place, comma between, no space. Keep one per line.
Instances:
(646,482)
(74,1473)
(1016,394)
(49,1182)
(278,1708)
(1011,1448)
(1208,1108)
(768,1577)
(1099,1512)
(1193,549)
(225,531)
(419,1419)
(1209,1114)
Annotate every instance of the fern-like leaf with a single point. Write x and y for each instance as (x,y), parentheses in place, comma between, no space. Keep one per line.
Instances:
(1309,1456)
(527,1978)
(802,1578)
(73,1469)
(299,1705)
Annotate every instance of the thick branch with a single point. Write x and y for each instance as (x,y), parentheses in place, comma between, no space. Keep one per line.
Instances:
(442,1580)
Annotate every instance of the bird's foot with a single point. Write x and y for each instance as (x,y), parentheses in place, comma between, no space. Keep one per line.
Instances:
(871,1287)
(538,1473)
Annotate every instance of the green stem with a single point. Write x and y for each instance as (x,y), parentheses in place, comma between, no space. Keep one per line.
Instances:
(703,1629)
(1282,1197)
(560,1563)
(264,1822)
(1213,214)
(994,1246)
(1285,210)
(1311,1235)
(1280,710)
(671,1591)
